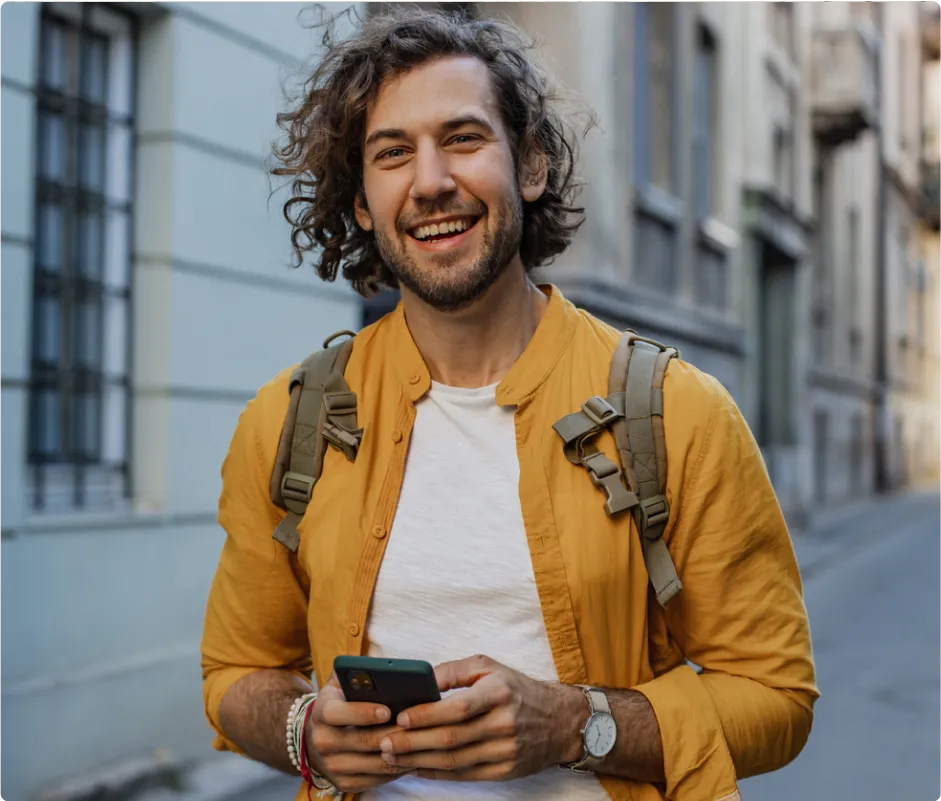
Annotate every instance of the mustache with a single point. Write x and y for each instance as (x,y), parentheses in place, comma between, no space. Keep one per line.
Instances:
(409,221)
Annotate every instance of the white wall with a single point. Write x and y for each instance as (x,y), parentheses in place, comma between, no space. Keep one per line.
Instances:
(102,613)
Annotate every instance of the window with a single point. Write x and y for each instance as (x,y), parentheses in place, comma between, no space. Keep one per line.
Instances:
(654,94)
(781,108)
(705,134)
(903,89)
(654,262)
(852,275)
(821,438)
(711,280)
(79,388)
(823,259)
(782,26)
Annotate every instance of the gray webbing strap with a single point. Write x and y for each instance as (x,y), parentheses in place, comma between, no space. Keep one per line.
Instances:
(637,413)
(322,410)
(643,400)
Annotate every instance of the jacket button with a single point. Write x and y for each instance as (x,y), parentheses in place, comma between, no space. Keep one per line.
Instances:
(354,629)
(414,378)
(379,532)
(396,437)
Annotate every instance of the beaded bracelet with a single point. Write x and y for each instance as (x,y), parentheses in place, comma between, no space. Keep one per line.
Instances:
(297,751)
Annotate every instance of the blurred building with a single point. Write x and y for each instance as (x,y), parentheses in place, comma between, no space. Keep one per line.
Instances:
(755,197)
(762,192)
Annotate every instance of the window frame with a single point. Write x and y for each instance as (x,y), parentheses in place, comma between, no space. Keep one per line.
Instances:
(88,282)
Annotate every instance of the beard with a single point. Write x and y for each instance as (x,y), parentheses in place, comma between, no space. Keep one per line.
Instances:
(446,285)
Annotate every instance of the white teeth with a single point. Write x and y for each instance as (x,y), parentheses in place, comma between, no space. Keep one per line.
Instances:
(452,226)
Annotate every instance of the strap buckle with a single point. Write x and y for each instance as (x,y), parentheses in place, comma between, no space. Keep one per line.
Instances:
(654,513)
(346,441)
(599,411)
(297,487)
(607,475)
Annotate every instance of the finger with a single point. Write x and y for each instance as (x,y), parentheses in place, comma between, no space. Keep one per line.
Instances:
(493,772)
(456,708)
(340,712)
(487,752)
(463,672)
(443,738)
(338,765)
(349,739)
(361,782)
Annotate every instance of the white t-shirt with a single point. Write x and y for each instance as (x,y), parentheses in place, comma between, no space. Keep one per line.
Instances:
(456,578)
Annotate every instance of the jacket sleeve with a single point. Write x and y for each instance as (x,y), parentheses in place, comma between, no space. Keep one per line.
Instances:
(256,615)
(740,616)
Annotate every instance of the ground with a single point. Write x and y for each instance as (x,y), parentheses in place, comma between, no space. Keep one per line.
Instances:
(872,593)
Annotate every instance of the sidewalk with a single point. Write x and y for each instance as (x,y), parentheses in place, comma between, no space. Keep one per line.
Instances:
(839,532)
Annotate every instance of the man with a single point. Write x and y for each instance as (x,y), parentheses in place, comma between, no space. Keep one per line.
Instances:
(427,154)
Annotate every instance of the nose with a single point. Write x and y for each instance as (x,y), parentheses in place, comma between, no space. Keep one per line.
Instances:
(432,177)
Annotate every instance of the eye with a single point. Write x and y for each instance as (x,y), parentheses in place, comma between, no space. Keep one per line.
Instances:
(464,139)
(391,153)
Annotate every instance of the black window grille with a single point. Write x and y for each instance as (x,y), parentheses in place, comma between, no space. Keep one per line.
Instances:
(79,390)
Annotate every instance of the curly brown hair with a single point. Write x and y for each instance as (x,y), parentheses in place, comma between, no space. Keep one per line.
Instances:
(325,131)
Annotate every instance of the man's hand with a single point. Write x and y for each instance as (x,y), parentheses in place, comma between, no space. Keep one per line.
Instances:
(343,741)
(504,726)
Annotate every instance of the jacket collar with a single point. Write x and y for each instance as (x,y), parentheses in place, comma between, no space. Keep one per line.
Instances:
(543,352)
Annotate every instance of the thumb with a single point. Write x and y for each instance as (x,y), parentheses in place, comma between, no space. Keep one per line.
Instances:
(463,672)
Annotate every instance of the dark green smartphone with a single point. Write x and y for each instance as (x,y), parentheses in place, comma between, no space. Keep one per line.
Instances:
(396,683)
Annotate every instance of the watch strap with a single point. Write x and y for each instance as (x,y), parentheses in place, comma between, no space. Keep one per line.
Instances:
(597,702)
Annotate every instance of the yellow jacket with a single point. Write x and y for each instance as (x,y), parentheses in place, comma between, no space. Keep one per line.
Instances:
(740,616)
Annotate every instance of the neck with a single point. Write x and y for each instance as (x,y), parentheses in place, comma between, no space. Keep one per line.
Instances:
(477,346)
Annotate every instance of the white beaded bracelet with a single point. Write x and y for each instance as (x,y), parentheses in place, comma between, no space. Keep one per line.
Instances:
(295,722)
(295,742)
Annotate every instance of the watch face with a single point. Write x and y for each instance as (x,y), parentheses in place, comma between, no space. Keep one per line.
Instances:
(600,734)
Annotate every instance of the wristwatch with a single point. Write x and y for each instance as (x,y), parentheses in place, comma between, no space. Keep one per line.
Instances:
(599,733)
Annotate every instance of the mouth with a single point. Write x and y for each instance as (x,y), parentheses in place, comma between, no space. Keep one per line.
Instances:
(444,233)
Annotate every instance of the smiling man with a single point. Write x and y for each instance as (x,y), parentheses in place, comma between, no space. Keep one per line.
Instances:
(428,154)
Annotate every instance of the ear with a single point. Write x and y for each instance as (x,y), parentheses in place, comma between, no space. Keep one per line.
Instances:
(362,213)
(533,175)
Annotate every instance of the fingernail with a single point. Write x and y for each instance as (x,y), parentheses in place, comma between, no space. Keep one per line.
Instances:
(388,758)
(382,714)
(386,746)
(403,720)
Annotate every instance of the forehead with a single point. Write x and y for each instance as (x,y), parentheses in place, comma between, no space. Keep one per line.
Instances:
(432,94)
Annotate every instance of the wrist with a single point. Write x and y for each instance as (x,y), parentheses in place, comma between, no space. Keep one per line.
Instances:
(573,712)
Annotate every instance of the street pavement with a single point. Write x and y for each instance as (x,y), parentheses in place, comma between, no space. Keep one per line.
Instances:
(872,593)
(871,583)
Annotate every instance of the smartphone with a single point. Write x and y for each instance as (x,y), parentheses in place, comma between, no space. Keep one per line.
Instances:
(396,683)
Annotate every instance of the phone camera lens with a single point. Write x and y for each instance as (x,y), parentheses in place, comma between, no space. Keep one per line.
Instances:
(362,681)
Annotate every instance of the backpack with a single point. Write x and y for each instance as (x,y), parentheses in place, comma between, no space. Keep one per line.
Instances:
(322,411)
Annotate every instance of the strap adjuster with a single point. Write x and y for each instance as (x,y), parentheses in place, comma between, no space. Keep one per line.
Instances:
(599,411)
(654,513)
(297,487)
(339,403)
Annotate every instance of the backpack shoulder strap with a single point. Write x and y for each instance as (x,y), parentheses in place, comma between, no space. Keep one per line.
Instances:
(633,411)
(322,410)
(636,386)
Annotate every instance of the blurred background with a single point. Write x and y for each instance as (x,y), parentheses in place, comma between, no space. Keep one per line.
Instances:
(763,192)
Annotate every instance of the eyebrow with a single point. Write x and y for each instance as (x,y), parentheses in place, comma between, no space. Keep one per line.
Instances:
(448,125)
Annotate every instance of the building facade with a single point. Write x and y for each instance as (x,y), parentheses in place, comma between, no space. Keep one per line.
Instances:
(146,296)
(762,191)
(755,195)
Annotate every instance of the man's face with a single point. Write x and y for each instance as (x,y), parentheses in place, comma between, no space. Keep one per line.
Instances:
(441,189)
